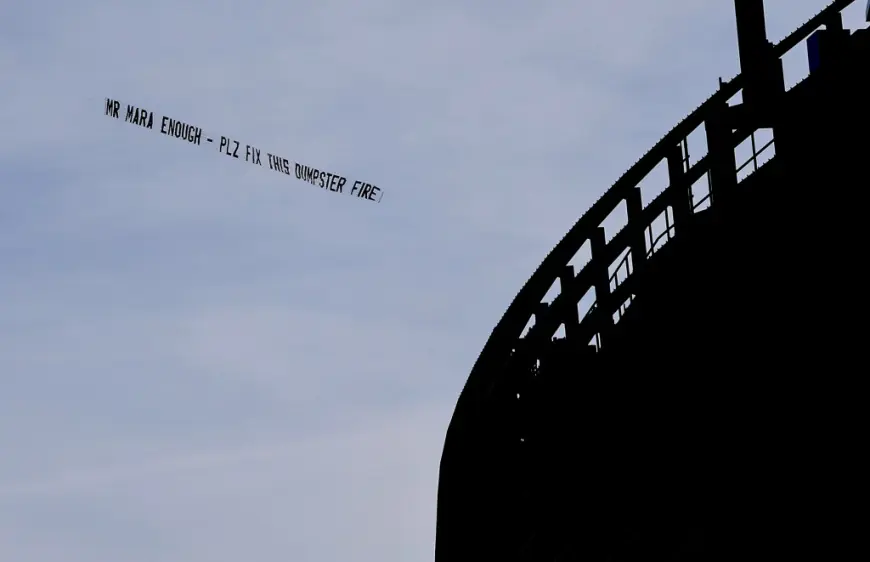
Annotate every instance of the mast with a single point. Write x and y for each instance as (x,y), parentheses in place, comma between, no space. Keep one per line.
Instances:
(760,69)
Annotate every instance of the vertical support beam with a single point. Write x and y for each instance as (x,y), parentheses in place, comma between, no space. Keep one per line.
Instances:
(545,352)
(763,79)
(572,316)
(540,310)
(814,50)
(720,152)
(835,21)
(826,47)
(634,204)
(602,279)
(753,46)
(678,185)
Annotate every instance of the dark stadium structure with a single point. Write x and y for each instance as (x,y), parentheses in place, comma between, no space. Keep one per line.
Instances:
(708,405)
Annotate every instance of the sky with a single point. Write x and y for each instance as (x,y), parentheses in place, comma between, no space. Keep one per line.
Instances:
(203,360)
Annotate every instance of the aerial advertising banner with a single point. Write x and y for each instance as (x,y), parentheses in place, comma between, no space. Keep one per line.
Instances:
(228,146)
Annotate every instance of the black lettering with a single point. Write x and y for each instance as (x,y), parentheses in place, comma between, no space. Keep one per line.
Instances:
(298,171)
(224,142)
(286,168)
(275,163)
(309,174)
(374,192)
(341,182)
(142,117)
(236,150)
(257,157)
(247,152)
(129,116)
(356,185)
(332,180)
(364,192)
(320,177)
(112,107)
(181,130)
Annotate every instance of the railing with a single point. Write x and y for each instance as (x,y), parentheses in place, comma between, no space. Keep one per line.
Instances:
(666,234)
(507,348)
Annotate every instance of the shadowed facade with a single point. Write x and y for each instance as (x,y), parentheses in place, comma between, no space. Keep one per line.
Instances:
(708,405)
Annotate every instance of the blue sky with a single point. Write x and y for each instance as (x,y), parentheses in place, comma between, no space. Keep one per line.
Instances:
(202,360)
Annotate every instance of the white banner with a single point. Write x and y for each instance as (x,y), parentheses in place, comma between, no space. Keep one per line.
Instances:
(227,146)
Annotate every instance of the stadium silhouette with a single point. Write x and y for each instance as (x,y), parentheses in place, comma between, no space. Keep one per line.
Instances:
(708,404)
